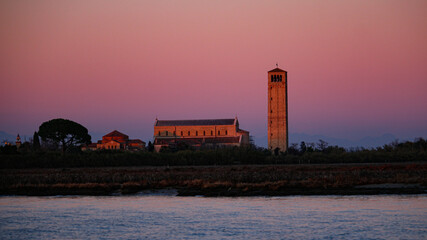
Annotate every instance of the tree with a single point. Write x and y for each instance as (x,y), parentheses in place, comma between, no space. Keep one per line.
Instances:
(64,133)
(276,151)
(293,149)
(36,141)
(150,147)
(310,147)
(302,147)
(322,145)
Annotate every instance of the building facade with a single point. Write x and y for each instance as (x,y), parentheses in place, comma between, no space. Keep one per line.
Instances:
(207,133)
(278,110)
(116,140)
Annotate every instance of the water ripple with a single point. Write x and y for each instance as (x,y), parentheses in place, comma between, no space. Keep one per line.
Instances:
(154,216)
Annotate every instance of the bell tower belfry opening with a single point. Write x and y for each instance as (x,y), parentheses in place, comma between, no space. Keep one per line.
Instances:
(278,110)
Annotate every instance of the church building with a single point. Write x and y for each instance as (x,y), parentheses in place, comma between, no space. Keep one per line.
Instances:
(116,140)
(207,133)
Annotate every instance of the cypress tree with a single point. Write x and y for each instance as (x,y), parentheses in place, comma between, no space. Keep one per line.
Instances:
(36,141)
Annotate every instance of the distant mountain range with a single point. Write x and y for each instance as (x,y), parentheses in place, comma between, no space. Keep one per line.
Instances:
(366,142)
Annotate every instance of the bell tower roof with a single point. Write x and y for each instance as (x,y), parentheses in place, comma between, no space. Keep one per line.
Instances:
(277,70)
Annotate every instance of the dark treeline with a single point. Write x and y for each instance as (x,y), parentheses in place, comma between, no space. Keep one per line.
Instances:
(29,157)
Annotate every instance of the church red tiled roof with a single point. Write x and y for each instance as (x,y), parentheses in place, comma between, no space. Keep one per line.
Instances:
(200,122)
(116,133)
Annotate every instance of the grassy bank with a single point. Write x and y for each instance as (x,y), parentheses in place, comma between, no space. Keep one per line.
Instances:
(236,180)
(396,152)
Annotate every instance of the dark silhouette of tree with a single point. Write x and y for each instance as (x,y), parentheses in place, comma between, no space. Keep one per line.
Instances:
(322,145)
(311,147)
(64,133)
(8,149)
(36,141)
(293,149)
(276,151)
(302,147)
(150,147)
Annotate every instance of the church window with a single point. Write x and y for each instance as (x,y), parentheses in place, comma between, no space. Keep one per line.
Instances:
(274,78)
(280,78)
(197,133)
(271,78)
(225,132)
(188,133)
(204,133)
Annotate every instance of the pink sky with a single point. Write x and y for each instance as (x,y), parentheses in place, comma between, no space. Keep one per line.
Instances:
(355,68)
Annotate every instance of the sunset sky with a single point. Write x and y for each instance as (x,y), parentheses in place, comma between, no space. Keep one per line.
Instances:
(355,68)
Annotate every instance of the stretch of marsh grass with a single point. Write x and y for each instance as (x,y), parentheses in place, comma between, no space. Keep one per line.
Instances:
(249,179)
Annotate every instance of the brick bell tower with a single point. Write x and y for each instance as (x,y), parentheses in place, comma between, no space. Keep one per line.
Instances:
(278,110)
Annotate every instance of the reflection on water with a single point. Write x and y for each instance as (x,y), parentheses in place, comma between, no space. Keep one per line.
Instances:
(166,217)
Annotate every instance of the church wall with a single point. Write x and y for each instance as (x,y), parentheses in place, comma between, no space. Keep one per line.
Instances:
(195,131)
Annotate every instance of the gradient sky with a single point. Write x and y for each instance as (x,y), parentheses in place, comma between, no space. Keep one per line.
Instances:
(355,68)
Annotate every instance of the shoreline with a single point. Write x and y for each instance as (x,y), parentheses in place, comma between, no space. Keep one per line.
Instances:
(358,190)
(216,181)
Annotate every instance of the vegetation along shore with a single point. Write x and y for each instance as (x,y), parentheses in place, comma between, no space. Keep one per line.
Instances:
(234,180)
(397,168)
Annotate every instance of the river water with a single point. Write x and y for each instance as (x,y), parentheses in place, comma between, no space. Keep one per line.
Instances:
(162,216)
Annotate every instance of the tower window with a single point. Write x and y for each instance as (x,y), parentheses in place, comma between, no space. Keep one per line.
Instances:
(204,133)
(280,78)
(219,133)
(182,134)
(271,78)
(188,133)
(197,133)
(211,133)
(226,132)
